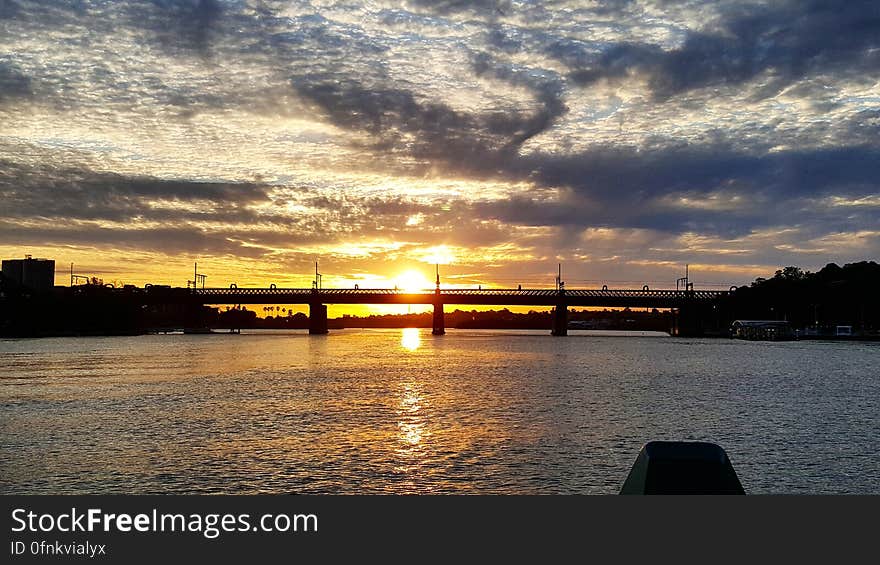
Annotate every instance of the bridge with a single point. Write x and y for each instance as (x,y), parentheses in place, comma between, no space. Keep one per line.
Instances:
(689,305)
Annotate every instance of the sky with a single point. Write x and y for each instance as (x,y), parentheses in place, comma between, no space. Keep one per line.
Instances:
(622,139)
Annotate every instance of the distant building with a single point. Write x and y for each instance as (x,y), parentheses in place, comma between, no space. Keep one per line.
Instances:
(764,330)
(35,274)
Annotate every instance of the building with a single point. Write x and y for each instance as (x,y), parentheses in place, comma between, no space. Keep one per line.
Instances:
(34,274)
(763,330)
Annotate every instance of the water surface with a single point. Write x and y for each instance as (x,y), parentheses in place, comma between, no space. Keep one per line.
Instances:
(401,411)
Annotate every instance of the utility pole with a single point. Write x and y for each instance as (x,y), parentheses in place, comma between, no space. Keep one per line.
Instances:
(560,312)
(74,278)
(685,280)
(317,282)
(197,278)
(438,323)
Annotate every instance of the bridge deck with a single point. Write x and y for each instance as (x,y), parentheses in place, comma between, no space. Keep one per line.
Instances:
(511,297)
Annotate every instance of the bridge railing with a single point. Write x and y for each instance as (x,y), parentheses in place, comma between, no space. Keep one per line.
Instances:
(574,293)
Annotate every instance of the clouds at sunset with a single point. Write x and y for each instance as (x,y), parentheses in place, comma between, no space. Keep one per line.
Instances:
(622,138)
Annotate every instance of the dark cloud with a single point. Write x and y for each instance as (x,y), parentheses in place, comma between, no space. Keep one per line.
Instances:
(446,7)
(13,83)
(182,24)
(184,239)
(862,127)
(498,38)
(72,193)
(47,14)
(638,172)
(547,92)
(628,187)
(613,7)
(400,122)
(433,132)
(790,40)
(8,9)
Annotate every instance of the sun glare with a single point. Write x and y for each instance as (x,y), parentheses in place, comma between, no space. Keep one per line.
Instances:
(410,339)
(412,281)
(438,255)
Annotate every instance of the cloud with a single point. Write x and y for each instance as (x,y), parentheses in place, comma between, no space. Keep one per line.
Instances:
(13,83)
(399,121)
(678,189)
(787,40)
(182,24)
(8,9)
(72,193)
(183,240)
(547,90)
(503,125)
(627,186)
(491,8)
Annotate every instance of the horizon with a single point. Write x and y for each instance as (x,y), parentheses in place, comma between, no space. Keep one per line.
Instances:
(414,281)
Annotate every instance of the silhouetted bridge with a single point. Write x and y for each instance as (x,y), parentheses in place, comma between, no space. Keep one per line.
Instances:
(689,305)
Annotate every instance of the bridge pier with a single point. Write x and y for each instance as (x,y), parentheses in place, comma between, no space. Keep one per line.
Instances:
(560,320)
(317,318)
(439,326)
(690,321)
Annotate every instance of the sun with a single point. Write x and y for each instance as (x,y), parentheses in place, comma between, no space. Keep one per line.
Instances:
(412,281)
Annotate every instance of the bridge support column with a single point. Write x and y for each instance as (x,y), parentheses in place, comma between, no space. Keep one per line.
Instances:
(690,321)
(439,326)
(560,320)
(317,318)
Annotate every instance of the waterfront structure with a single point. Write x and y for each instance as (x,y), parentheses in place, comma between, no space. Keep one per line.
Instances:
(33,274)
(762,330)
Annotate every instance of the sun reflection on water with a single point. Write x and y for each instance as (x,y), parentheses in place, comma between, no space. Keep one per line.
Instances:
(411,424)
(410,339)
(412,433)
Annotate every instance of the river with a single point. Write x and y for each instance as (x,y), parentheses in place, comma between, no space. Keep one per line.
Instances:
(402,411)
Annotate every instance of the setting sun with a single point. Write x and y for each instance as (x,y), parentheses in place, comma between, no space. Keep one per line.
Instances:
(412,281)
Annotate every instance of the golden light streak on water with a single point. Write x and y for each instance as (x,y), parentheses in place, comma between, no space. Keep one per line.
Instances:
(410,339)
(411,425)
